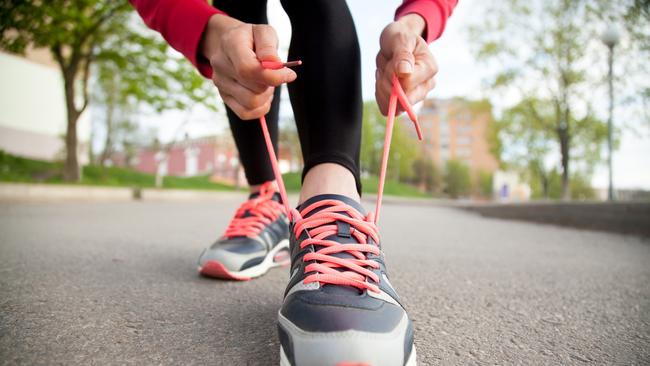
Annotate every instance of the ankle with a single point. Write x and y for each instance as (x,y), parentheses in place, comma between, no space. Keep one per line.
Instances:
(329,178)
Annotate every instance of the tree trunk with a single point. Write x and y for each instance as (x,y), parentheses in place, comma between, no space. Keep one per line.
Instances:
(71,171)
(108,143)
(564,149)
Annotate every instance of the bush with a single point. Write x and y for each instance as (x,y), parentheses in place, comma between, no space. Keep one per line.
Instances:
(485,184)
(457,179)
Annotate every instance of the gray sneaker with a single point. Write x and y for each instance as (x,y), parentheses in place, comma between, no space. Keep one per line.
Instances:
(255,241)
(339,306)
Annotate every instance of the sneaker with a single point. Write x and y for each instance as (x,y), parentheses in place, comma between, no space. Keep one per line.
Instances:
(255,241)
(339,306)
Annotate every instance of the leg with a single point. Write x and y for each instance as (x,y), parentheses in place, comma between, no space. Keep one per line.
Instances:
(248,134)
(257,237)
(326,97)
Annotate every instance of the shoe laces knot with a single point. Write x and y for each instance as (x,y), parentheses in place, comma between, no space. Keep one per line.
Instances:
(256,213)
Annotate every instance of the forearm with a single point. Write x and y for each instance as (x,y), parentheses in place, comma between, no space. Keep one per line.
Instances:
(181,23)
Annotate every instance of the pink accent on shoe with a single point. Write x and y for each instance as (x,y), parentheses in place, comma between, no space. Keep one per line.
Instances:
(218,270)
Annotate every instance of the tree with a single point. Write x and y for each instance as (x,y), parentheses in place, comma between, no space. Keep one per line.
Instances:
(528,131)
(83,33)
(372,137)
(426,174)
(458,181)
(74,32)
(403,149)
(139,72)
(485,180)
(544,50)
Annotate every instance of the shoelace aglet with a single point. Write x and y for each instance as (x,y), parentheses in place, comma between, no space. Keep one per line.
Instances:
(277,65)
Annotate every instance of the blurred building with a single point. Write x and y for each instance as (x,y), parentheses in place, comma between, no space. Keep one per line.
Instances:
(32,108)
(458,129)
(215,156)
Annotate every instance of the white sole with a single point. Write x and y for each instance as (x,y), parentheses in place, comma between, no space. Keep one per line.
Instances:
(267,263)
(412,361)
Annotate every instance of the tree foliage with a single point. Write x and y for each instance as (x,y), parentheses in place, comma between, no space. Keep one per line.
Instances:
(73,31)
(458,181)
(84,35)
(545,52)
(403,149)
(426,174)
(138,72)
(528,129)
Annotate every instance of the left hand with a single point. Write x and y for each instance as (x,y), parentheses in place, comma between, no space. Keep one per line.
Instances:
(405,53)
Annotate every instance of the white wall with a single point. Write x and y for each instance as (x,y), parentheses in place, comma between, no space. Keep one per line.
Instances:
(32,103)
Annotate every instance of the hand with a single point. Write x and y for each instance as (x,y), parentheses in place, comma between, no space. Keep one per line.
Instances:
(405,53)
(235,50)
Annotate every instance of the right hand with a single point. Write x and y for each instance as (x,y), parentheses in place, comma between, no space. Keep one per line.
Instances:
(235,51)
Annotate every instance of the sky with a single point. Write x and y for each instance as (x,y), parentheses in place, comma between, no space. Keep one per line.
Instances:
(459,75)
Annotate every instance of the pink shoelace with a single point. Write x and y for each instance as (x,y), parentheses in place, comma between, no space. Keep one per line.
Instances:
(327,268)
(253,215)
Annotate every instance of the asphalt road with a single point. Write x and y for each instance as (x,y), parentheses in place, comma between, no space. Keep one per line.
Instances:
(116,283)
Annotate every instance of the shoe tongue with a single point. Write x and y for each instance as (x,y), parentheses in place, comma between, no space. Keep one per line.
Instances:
(343,235)
(337,197)
(276,197)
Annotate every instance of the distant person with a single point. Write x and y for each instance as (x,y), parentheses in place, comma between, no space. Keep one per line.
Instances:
(339,307)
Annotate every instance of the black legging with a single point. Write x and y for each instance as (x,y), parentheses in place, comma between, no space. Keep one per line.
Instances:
(326,96)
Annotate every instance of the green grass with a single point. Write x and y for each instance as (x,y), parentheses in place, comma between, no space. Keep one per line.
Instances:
(392,188)
(16,169)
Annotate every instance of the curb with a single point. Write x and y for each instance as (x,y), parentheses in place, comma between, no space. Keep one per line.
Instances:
(618,217)
(27,192)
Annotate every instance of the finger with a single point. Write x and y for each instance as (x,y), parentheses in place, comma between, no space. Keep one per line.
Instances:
(249,70)
(224,73)
(382,101)
(402,57)
(425,69)
(266,42)
(243,95)
(381,61)
(243,112)
(419,93)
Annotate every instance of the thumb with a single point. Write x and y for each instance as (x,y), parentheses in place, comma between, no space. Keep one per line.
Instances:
(266,42)
(403,58)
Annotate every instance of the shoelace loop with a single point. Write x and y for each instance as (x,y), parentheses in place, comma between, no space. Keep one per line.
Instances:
(329,269)
(253,215)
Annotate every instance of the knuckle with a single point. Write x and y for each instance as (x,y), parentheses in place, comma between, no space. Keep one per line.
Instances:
(243,71)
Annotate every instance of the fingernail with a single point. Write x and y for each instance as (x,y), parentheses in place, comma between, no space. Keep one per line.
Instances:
(404,67)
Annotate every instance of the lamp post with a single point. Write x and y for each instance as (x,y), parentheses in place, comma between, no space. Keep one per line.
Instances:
(610,38)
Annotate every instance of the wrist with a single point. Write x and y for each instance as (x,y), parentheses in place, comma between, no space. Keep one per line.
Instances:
(414,23)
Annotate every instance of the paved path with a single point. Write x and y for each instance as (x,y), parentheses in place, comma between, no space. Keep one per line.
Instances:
(103,283)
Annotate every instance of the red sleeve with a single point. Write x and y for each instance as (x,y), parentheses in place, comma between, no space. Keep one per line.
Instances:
(434,12)
(181,23)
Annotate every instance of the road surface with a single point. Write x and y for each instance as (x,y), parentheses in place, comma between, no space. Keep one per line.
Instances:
(116,283)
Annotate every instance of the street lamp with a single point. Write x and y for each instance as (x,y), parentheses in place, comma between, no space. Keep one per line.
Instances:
(610,38)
